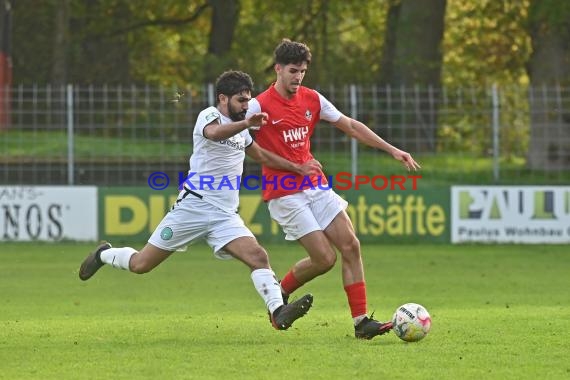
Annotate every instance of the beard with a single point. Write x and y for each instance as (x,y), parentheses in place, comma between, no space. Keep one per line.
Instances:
(236,116)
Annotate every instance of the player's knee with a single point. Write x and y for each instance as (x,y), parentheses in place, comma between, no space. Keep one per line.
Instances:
(350,248)
(259,258)
(325,262)
(330,261)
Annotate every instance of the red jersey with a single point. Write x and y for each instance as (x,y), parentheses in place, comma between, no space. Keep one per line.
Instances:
(287,133)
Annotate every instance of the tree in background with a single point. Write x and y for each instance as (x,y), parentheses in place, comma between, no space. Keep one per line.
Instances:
(225,17)
(184,42)
(60,43)
(345,38)
(5,62)
(109,41)
(413,43)
(549,69)
(413,57)
(485,43)
(66,41)
(418,44)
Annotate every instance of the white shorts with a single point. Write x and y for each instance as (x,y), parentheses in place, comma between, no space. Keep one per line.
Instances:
(193,219)
(307,211)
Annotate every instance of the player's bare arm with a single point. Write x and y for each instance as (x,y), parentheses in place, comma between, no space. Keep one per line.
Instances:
(365,135)
(272,160)
(218,132)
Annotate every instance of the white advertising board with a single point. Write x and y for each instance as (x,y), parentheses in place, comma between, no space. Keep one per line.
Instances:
(48,213)
(510,214)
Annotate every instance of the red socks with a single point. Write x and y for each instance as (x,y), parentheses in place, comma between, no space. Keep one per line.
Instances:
(289,283)
(356,294)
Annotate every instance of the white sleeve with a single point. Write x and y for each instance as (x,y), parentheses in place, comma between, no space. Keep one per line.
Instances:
(248,139)
(328,111)
(253,107)
(206,117)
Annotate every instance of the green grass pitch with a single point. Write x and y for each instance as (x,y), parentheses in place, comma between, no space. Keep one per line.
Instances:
(498,312)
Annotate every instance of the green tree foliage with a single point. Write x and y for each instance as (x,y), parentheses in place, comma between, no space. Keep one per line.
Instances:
(554,13)
(112,41)
(32,23)
(345,37)
(166,41)
(486,42)
(171,43)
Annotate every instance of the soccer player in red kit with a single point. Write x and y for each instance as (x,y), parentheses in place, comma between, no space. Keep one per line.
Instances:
(307,210)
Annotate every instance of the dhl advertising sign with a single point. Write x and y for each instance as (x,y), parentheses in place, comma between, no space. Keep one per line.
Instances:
(132,213)
(378,216)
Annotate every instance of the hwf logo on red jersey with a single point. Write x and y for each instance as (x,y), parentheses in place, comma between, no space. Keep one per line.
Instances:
(296,134)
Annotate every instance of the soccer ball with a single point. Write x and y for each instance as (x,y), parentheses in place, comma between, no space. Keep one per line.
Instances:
(411,322)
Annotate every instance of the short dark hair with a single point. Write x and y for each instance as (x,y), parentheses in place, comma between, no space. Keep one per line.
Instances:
(291,52)
(233,82)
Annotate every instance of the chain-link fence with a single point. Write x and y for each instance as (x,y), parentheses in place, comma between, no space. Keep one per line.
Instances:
(106,135)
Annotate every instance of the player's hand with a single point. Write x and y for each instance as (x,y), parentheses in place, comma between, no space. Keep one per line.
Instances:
(309,168)
(406,159)
(257,120)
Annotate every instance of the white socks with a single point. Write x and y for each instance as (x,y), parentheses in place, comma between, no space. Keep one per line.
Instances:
(118,257)
(268,288)
(264,279)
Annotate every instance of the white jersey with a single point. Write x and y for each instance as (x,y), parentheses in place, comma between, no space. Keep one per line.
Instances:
(216,166)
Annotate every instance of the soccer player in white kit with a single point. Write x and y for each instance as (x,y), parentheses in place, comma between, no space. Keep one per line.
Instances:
(207,206)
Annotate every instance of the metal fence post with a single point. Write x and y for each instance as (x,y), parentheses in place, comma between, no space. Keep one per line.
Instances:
(353,141)
(211,95)
(70,157)
(496,115)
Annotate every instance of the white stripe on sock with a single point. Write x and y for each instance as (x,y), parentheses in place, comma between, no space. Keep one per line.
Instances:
(118,257)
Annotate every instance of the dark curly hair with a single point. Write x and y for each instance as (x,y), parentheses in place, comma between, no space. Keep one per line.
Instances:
(291,52)
(233,82)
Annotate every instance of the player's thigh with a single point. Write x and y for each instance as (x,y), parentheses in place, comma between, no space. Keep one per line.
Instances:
(340,232)
(326,205)
(225,228)
(294,215)
(319,248)
(187,222)
(247,250)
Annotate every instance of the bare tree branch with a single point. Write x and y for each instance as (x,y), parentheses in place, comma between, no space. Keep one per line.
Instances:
(301,33)
(157,22)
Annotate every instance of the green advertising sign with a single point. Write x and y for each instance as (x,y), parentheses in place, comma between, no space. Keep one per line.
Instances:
(132,213)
